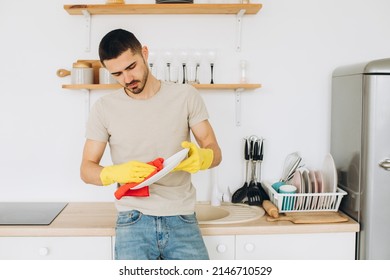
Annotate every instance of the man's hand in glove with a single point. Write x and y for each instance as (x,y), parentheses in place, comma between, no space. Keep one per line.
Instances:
(198,158)
(132,171)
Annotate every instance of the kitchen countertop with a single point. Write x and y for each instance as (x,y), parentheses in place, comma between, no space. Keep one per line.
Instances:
(98,219)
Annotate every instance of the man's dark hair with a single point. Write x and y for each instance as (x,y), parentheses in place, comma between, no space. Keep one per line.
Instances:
(117,42)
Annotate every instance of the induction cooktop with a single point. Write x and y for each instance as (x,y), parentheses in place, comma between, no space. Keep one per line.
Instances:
(29,213)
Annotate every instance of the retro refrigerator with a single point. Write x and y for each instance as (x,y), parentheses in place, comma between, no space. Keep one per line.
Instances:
(360,146)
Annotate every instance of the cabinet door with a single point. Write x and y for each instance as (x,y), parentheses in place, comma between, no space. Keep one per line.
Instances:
(55,248)
(220,247)
(316,246)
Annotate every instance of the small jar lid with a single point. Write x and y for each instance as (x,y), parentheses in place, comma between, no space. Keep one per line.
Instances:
(115,2)
(82,65)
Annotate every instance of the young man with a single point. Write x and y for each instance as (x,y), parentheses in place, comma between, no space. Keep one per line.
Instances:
(145,120)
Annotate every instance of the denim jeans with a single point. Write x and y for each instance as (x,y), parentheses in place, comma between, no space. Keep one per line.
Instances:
(144,237)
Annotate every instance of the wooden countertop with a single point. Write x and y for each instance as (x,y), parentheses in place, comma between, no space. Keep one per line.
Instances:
(98,219)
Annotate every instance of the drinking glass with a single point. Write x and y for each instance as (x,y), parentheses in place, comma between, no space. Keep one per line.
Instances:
(191,72)
(211,55)
(152,58)
(183,59)
(174,72)
(197,59)
(168,60)
(193,63)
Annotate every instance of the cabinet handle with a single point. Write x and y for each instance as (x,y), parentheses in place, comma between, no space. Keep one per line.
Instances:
(249,247)
(221,248)
(43,251)
(385,164)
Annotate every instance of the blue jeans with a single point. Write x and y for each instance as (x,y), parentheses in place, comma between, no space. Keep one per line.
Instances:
(143,237)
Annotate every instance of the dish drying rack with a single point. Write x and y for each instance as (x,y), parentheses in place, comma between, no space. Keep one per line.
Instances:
(305,202)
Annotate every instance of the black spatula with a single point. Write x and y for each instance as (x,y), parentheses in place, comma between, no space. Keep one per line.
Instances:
(240,194)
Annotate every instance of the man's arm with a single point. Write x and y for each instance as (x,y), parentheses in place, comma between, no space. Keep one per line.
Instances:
(204,135)
(92,172)
(90,169)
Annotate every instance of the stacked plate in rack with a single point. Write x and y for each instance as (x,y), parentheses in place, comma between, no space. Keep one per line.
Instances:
(174,1)
(315,182)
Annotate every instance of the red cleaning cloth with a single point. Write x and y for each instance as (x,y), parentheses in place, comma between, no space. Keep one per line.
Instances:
(126,189)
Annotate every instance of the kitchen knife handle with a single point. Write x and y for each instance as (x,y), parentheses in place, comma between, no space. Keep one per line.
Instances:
(385,164)
(246,155)
(255,155)
(261,149)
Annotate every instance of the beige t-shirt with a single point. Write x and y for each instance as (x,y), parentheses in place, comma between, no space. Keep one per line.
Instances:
(144,130)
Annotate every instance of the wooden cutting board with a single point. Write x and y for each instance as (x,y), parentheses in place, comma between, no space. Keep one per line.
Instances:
(310,217)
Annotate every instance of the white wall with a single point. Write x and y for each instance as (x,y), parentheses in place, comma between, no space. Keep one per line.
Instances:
(292,48)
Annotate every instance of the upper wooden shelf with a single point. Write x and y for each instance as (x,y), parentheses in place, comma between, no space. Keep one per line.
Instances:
(122,9)
(198,86)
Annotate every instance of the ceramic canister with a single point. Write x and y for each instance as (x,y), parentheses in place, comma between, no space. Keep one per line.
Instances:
(82,73)
(105,77)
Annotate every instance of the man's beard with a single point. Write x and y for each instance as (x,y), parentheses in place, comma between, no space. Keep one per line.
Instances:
(137,89)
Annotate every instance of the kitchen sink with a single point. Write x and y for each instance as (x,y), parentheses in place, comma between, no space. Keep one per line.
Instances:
(226,213)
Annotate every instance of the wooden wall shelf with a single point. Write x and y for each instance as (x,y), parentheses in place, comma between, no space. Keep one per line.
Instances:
(87,10)
(124,9)
(238,88)
(198,86)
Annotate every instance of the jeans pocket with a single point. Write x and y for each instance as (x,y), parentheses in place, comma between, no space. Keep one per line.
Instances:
(189,219)
(128,218)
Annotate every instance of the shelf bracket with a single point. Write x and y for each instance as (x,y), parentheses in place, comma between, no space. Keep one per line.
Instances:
(239,28)
(87,17)
(237,93)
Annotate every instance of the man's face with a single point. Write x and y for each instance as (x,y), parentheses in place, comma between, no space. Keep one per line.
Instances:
(131,71)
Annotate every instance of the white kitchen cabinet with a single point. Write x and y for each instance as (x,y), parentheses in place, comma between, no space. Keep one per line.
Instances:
(313,246)
(220,247)
(56,248)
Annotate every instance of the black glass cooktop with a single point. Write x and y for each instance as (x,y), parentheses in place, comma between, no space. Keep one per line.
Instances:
(29,213)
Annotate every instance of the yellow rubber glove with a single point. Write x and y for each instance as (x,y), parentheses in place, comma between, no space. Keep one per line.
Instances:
(132,171)
(198,158)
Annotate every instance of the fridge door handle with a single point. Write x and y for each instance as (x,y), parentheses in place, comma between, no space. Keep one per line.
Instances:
(385,164)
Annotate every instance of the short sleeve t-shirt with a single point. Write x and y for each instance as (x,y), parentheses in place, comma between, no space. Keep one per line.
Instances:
(144,130)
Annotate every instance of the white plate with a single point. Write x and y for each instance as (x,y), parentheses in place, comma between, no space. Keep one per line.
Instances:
(307,186)
(168,165)
(297,181)
(313,181)
(306,180)
(319,179)
(314,188)
(329,175)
